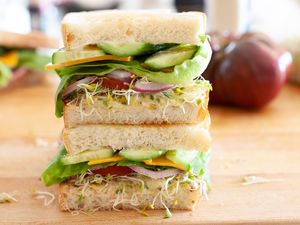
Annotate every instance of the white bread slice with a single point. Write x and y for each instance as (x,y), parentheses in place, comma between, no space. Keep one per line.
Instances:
(31,40)
(97,113)
(151,26)
(122,193)
(93,137)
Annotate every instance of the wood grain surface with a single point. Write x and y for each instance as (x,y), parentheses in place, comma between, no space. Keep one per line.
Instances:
(263,143)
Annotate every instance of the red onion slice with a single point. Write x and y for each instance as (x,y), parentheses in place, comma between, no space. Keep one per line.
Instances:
(121,75)
(151,87)
(74,86)
(155,174)
(18,73)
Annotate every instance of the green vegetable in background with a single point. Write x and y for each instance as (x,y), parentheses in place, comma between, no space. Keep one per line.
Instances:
(32,60)
(5,75)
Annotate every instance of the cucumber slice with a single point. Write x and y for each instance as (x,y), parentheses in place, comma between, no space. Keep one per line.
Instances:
(131,49)
(87,155)
(125,49)
(182,157)
(65,56)
(141,154)
(171,57)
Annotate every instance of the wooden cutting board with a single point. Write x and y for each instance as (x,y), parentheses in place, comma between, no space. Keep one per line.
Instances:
(263,143)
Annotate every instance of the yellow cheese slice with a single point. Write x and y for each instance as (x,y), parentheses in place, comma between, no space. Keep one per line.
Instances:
(10,59)
(115,158)
(91,59)
(162,161)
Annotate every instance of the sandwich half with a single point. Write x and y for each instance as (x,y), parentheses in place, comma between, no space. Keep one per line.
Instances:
(20,63)
(135,108)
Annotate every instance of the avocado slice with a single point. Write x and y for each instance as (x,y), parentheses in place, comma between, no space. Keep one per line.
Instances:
(171,57)
(182,157)
(140,155)
(132,48)
(62,55)
(87,155)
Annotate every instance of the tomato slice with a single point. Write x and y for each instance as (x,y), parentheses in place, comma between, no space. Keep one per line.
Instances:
(115,84)
(113,170)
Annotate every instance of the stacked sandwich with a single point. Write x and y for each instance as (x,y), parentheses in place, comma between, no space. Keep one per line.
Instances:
(19,60)
(135,111)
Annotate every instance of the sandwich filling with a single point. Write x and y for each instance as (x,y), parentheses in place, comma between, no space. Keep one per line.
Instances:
(14,63)
(153,163)
(124,72)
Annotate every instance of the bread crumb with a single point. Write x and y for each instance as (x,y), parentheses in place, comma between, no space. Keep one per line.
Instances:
(249,180)
(41,142)
(7,198)
(48,197)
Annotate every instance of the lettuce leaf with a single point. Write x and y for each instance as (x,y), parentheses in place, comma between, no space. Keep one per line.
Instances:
(32,60)
(66,80)
(198,166)
(57,172)
(5,75)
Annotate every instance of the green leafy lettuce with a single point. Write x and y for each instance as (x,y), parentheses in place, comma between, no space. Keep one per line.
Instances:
(5,75)
(56,172)
(198,166)
(181,75)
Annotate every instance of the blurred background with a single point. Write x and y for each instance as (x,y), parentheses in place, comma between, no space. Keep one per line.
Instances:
(277,18)
(227,22)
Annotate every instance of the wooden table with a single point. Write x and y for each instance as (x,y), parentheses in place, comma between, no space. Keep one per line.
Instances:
(264,143)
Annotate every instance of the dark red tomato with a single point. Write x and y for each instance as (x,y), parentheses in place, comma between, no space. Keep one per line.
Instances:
(115,84)
(113,170)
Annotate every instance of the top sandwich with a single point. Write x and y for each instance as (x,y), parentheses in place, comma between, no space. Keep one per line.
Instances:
(148,60)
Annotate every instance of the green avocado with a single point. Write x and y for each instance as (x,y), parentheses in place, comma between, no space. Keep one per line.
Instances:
(171,57)
(61,56)
(87,155)
(132,48)
(139,155)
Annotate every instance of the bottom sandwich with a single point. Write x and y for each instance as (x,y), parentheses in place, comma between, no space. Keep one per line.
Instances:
(129,179)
